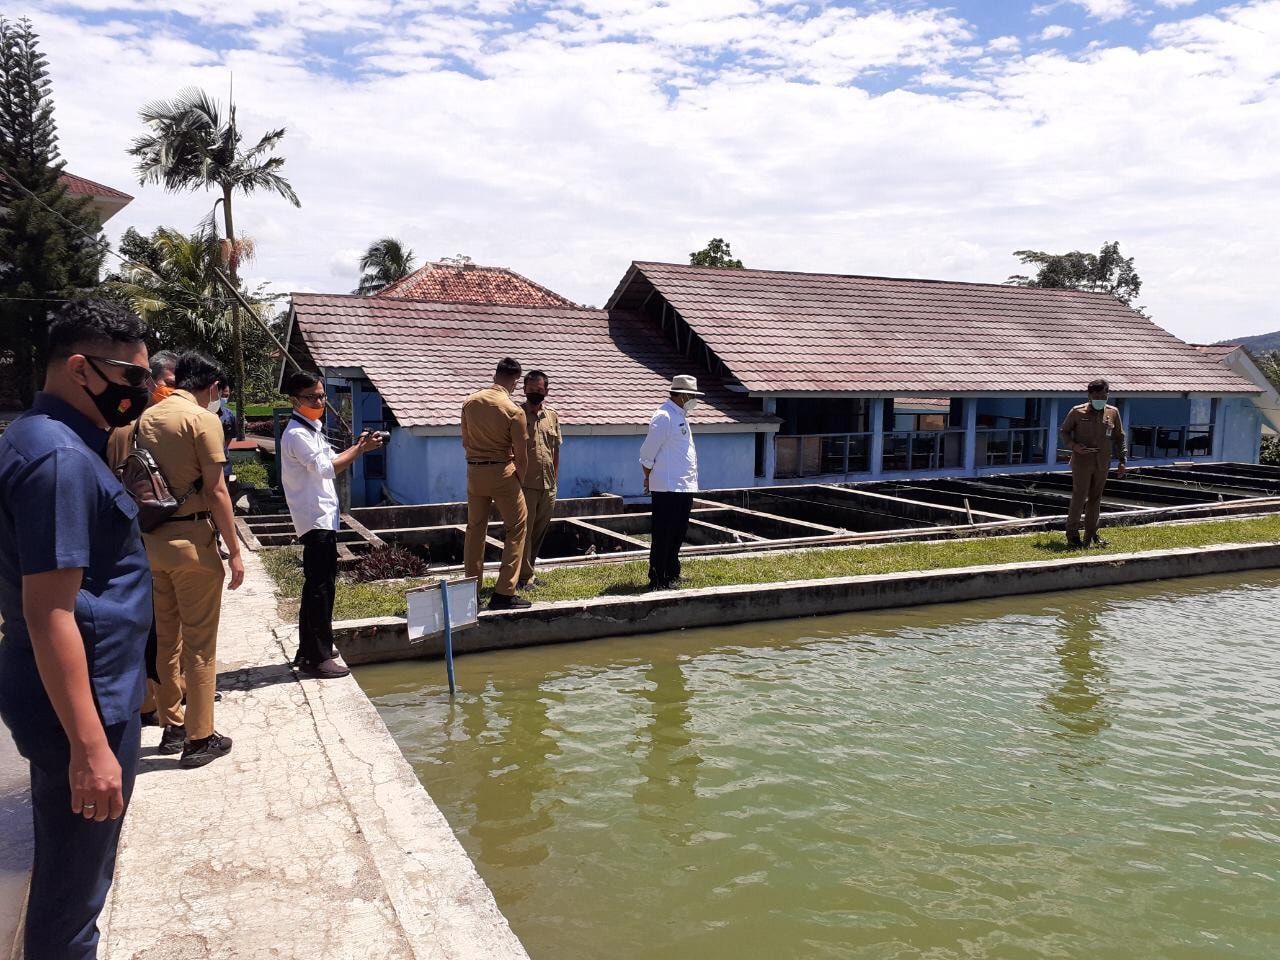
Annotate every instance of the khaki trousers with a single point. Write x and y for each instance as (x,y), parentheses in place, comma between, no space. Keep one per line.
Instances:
(488,485)
(1088,480)
(187,575)
(540,505)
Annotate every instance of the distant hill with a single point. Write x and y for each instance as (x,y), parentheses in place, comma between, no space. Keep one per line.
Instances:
(1260,343)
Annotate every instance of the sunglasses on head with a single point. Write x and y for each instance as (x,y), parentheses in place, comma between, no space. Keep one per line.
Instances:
(134,374)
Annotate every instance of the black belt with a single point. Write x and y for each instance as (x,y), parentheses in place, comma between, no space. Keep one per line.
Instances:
(202,515)
(486,463)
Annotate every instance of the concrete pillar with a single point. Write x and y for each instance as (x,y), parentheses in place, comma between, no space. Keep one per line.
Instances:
(770,442)
(1053,422)
(970,435)
(1218,418)
(877,436)
(357,426)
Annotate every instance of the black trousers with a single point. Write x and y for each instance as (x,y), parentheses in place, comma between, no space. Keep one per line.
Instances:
(75,858)
(319,576)
(670,521)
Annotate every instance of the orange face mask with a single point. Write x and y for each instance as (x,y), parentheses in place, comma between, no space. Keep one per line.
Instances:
(160,392)
(311,412)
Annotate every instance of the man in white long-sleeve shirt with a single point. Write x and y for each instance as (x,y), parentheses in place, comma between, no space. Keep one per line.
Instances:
(308,467)
(670,464)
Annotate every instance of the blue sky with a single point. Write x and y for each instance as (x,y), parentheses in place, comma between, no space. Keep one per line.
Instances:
(564,139)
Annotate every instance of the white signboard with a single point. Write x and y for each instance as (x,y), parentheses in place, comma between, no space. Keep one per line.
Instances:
(426,608)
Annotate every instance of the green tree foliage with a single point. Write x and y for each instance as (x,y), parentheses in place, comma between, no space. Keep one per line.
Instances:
(1107,271)
(715,254)
(50,244)
(386,261)
(170,282)
(193,144)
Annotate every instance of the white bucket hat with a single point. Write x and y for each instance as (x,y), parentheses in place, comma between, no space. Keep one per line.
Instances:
(686,384)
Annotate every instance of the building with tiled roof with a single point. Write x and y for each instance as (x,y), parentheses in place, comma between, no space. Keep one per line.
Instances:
(808,376)
(465,282)
(107,201)
(411,364)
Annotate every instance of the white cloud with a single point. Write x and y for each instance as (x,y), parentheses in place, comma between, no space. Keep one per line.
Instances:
(1174,4)
(1106,9)
(1055,31)
(1004,44)
(620,130)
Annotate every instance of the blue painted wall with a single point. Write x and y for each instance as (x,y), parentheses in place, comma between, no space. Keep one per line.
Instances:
(1242,430)
(433,469)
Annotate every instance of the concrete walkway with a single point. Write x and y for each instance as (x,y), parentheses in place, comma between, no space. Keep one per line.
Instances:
(313,839)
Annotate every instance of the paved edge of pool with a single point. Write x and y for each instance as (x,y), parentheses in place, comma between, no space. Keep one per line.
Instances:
(314,838)
(386,638)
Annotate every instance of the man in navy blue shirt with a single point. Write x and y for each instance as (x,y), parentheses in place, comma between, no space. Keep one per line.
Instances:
(75,595)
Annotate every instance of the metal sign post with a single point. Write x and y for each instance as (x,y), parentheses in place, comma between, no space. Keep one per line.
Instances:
(448,632)
(441,609)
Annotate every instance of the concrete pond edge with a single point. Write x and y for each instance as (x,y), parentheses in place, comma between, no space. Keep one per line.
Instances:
(382,639)
(444,907)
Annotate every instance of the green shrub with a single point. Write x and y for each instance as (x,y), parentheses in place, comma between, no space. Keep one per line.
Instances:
(252,473)
(1270,453)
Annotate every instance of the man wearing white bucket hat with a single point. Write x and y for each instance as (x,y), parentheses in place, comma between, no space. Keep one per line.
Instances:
(671,478)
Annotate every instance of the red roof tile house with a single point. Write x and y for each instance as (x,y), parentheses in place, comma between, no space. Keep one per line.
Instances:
(467,282)
(808,376)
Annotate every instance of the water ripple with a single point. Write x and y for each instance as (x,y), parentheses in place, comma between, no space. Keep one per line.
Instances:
(1072,776)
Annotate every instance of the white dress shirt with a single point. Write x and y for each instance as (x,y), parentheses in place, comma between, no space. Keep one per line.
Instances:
(668,451)
(306,474)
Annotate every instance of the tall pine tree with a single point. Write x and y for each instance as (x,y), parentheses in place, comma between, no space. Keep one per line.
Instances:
(43,257)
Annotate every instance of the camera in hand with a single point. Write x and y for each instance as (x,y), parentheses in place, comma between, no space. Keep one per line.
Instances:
(383,435)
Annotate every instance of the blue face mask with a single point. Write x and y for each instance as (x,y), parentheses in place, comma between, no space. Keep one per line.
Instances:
(1099,404)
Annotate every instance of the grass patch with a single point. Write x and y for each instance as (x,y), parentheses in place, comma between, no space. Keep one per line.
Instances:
(257,411)
(354,601)
(358,600)
(252,473)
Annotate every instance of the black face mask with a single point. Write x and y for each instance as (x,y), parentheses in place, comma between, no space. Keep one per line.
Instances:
(535,398)
(119,403)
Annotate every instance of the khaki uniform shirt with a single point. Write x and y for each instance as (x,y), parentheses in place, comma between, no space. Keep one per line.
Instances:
(182,436)
(492,426)
(543,445)
(118,446)
(1096,428)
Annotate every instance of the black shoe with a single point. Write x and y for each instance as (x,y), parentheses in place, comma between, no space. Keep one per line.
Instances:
(172,739)
(331,669)
(500,601)
(1073,543)
(1097,541)
(200,752)
(149,719)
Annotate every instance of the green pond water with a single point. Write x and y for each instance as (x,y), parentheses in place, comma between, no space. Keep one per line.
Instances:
(1076,775)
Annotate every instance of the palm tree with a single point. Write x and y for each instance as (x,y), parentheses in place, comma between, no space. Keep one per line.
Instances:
(386,261)
(169,281)
(193,145)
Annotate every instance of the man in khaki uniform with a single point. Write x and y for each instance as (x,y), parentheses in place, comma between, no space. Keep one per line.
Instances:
(185,437)
(494,437)
(539,482)
(1093,432)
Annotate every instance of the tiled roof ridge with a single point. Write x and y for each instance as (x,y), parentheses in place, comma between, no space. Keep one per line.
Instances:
(445,265)
(379,300)
(641,264)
